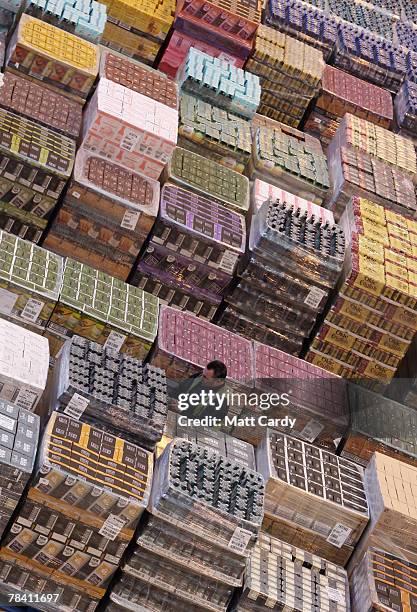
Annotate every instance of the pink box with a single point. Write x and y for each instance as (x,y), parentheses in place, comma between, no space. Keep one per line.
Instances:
(186,343)
(178,47)
(130,129)
(262,191)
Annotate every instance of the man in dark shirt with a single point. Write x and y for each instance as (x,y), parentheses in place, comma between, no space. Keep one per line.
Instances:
(210,385)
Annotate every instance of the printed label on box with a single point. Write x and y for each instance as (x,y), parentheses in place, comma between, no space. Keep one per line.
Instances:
(26,399)
(240,539)
(76,406)
(130,219)
(112,527)
(314,297)
(228,261)
(7,423)
(115,341)
(336,595)
(311,430)
(32,310)
(338,535)
(129,141)
(7,301)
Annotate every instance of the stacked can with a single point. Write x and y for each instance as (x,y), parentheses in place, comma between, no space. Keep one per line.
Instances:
(343,93)
(370,326)
(313,498)
(24,363)
(279,576)
(294,261)
(216,109)
(290,74)
(192,253)
(138,29)
(110,390)
(290,159)
(78,517)
(103,309)
(206,512)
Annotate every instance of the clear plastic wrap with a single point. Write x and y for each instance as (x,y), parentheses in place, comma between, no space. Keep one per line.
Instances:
(314,494)
(122,395)
(19,432)
(208,493)
(290,74)
(185,345)
(218,134)
(291,160)
(282,577)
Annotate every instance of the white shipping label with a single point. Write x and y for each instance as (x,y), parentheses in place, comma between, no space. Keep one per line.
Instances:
(7,423)
(26,399)
(130,219)
(76,406)
(336,595)
(311,430)
(115,341)
(228,262)
(314,297)
(112,526)
(338,535)
(240,539)
(32,310)
(7,301)
(129,141)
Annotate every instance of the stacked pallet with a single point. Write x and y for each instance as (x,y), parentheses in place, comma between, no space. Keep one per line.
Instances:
(313,498)
(211,504)
(290,74)
(370,326)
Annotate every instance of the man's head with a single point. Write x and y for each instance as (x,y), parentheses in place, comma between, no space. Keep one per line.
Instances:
(214,374)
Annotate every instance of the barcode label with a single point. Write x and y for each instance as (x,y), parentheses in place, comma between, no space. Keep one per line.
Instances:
(335,595)
(228,261)
(129,141)
(130,219)
(338,535)
(112,526)
(76,406)
(311,430)
(26,399)
(115,341)
(314,297)
(7,301)
(240,539)
(32,310)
